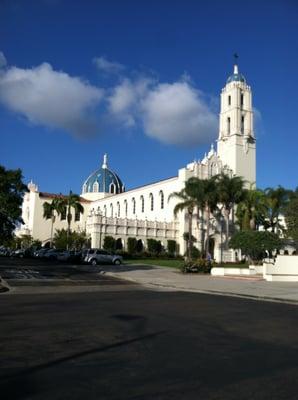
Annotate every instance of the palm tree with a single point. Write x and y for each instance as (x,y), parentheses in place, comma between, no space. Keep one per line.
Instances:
(49,212)
(188,203)
(196,187)
(251,210)
(211,196)
(65,204)
(230,192)
(276,201)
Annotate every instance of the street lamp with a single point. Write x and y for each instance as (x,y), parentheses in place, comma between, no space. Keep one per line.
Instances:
(221,230)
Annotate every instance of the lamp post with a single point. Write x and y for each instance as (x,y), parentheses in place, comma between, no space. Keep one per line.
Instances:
(221,230)
(100,226)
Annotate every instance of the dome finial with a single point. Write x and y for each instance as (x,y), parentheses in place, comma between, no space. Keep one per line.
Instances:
(236,63)
(105,161)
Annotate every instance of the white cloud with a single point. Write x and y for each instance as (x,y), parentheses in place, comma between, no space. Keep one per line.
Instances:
(125,99)
(177,114)
(108,67)
(2,60)
(50,98)
(173,113)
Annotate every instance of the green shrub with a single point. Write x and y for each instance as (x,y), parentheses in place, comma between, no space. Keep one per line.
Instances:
(154,246)
(195,253)
(109,243)
(131,245)
(172,247)
(200,265)
(254,244)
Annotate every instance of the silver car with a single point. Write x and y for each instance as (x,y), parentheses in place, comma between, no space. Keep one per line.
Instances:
(97,256)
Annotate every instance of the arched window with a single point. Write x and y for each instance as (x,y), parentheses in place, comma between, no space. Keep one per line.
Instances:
(112,188)
(242,99)
(151,201)
(229,125)
(133,205)
(242,124)
(95,187)
(229,100)
(111,210)
(118,209)
(105,210)
(125,207)
(162,198)
(142,204)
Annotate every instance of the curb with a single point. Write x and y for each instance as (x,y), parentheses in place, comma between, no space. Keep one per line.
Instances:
(209,292)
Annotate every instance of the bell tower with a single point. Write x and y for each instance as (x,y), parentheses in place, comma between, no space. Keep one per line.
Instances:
(236,145)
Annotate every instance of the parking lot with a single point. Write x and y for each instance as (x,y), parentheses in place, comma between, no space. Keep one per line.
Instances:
(29,272)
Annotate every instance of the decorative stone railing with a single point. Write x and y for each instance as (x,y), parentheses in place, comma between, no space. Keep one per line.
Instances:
(97,223)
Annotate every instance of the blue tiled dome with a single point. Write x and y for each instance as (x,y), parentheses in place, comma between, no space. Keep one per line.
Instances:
(236,78)
(103,180)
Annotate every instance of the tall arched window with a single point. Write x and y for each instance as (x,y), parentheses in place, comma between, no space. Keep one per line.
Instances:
(105,210)
(95,187)
(111,210)
(142,204)
(242,124)
(125,207)
(151,201)
(162,198)
(118,209)
(112,188)
(229,125)
(133,205)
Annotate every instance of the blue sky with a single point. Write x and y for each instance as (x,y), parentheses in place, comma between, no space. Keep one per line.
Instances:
(141,81)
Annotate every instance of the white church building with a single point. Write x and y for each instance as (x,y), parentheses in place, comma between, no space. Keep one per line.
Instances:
(147,211)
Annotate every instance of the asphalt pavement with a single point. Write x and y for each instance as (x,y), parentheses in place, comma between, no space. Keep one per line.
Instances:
(142,344)
(73,332)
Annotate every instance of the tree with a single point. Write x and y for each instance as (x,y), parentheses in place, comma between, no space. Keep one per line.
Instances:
(188,203)
(197,189)
(65,204)
(12,190)
(291,218)
(275,203)
(251,210)
(230,193)
(211,201)
(49,213)
(73,240)
(254,244)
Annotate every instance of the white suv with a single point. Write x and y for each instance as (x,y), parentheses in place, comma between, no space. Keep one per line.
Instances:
(97,256)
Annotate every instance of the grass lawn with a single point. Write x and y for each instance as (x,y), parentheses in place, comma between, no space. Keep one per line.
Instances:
(156,261)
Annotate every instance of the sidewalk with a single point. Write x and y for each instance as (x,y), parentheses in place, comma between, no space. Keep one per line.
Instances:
(172,279)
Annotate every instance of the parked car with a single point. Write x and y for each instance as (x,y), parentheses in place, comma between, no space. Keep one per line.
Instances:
(52,254)
(98,256)
(5,252)
(40,253)
(69,255)
(22,253)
